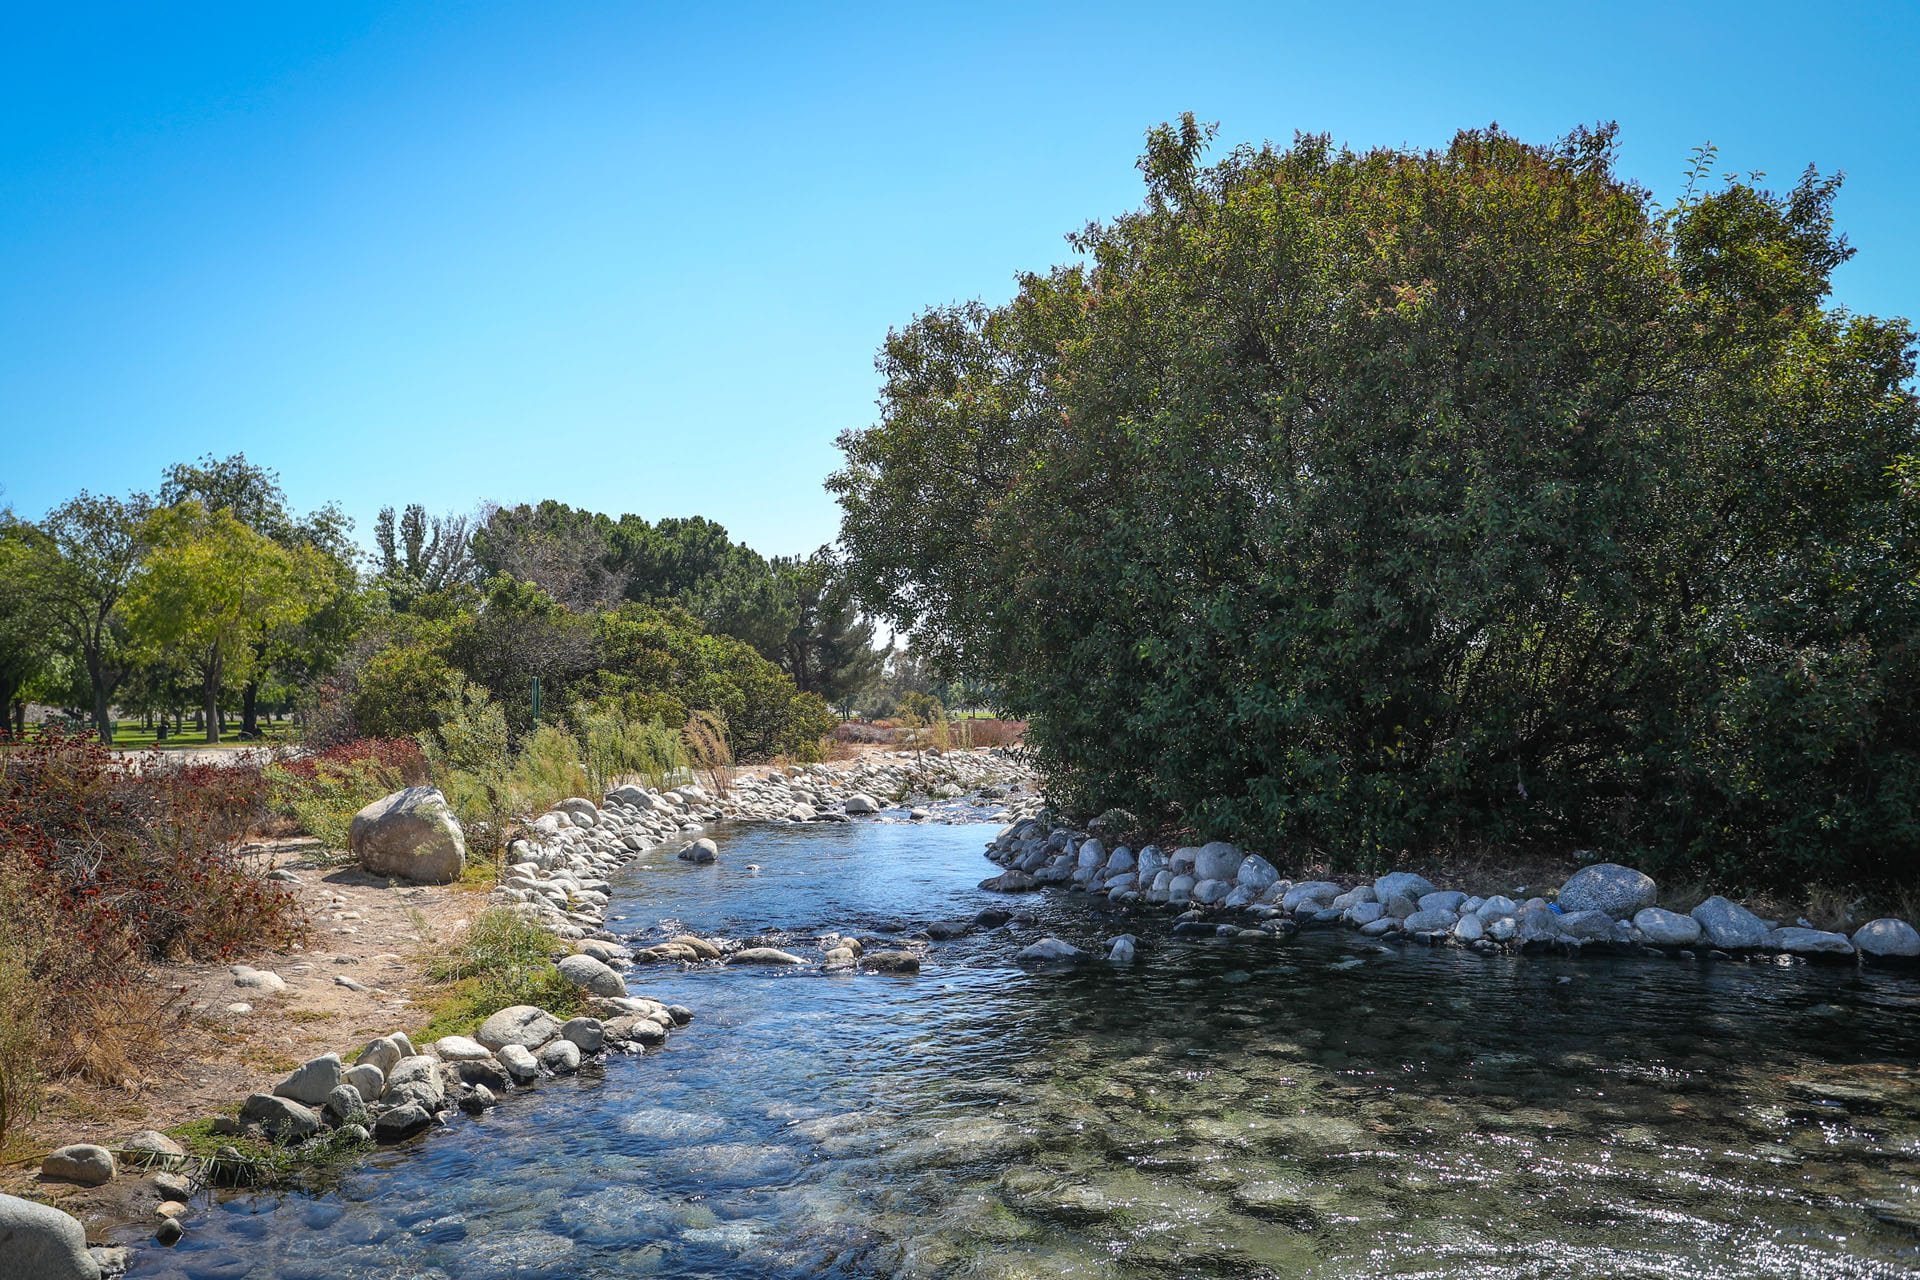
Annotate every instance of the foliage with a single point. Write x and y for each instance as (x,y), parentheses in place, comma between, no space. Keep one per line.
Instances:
(321,791)
(81,569)
(503,959)
(614,746)
(547,770)
(1366,502)
(107,861)
(212,590)
(705,736)
(419,556)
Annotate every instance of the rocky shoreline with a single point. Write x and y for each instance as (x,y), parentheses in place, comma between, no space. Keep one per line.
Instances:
(556,876)
(1218,890)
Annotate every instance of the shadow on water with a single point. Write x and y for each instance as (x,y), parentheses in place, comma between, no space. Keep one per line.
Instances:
(1312,1108)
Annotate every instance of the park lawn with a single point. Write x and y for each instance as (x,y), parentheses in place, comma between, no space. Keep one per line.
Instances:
(131,735)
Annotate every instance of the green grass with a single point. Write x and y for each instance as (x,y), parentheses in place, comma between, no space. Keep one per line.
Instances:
(504,959)
(253,1162)
(132,735)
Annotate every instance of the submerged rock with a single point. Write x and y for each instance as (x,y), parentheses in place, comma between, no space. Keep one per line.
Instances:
(1049,950)
(1012,880)
(1810,942)
(764,955)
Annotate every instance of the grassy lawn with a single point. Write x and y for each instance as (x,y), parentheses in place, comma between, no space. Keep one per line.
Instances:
(131,735)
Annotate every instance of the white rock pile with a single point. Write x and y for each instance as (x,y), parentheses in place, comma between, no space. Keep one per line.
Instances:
(1219,889)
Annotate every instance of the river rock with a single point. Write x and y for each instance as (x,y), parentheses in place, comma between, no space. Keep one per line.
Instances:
(764,955)
(1663,928)
(1588,926)
(861,802)
(1256,874)
(1211,892)
(382,1053)
(1364,913)
(1217,861)
(39,1242)
(346,1106)
(701,852)
(1316,892)
(1887,939)
(1496,906)
(1180,889)
(1047,951)
(402,1121)
(589,1035)
(1469,928)
(590,975)
(1729,925)
(891,962)
(1012,880)
(1092,854)
(312,1081)
(1429,921)
(153,1149)
(1396,884)
(282,1119)
(521,1024)
(1809,942)
(367,1080)
(411,834)
(562,1057)
(252,979)
(1120,950)
(80,1162)
(460,1049)
(1121,861)
(1152,863)
(1443,900)
(1607,886)
(519,1062)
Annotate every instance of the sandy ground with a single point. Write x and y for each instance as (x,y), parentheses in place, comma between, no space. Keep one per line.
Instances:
(209,1057)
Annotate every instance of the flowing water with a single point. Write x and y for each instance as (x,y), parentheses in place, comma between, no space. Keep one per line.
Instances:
(1304,1108)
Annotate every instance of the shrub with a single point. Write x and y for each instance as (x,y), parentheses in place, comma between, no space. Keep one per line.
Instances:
(547,770)
(320,792)
(108,861)
(615,746)
(503,959)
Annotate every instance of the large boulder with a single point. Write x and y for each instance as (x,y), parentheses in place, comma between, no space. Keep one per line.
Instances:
(1256,874)
(1607,886)
(411,834)
(1730,925)
(590,975)
(520,1024)
(1217,861)
(80,1162)
(39,1242)
(1888,939)
(1401,884)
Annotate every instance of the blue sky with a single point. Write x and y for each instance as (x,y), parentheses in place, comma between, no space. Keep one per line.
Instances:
(639,257)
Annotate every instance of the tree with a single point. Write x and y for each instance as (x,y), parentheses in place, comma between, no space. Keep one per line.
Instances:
(26,634)
(212,588)
(1362,502)
(419,555)
(564,552)
(828,647)
(91,553)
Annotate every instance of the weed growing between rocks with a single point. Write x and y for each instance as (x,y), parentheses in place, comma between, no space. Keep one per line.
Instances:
(503,959)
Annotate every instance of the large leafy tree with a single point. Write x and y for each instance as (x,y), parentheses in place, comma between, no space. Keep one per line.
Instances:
(212,587)
(1370,501)
(81,570)
(27,645)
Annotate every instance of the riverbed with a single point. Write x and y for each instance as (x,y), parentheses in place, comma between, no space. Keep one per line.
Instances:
(1317,1107)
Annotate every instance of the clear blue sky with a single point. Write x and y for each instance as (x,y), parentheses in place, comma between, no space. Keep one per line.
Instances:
(639,257)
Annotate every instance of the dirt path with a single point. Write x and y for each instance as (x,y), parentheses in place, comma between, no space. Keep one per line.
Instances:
(217,1040)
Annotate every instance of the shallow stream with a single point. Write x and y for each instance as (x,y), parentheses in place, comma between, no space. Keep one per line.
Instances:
(1305,1108)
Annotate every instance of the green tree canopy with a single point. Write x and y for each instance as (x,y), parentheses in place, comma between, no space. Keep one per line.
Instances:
(1359,502)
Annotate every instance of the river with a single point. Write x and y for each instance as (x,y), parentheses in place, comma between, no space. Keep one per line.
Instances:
(1307,1108)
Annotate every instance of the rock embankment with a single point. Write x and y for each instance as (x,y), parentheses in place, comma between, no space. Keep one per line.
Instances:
(1219,889)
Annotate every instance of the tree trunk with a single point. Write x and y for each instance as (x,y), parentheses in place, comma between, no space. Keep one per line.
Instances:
(250,710)
(102,713)
(210,696)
